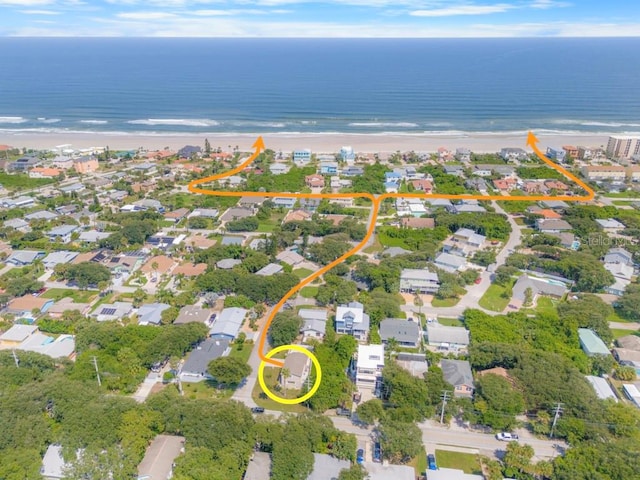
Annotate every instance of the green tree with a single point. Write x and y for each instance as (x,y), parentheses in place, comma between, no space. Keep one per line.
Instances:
(400,442)
(355,472)
(284,329)
(228,370)
(370,411)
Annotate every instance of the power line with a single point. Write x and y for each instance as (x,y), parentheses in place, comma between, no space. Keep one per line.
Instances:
(558,411)
(445,397)
(94,360)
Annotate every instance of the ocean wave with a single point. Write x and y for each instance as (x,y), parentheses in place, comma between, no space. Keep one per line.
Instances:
(594,123)
(48,120)
(250,123)
(94,122)
(182,122)
(13,120)
(384,124)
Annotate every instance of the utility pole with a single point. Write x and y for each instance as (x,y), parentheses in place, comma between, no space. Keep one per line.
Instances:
(558,411)
(445,397)
(15,358)
(95,364)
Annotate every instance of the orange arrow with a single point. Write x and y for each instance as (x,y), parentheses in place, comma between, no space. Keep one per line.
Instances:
(258,144)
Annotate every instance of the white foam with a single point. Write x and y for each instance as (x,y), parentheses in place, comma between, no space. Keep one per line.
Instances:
(184,122)
(384,124)
(13,120)
(94,122)
(48,120)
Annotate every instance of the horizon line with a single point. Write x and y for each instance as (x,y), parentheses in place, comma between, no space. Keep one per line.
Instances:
(189,37)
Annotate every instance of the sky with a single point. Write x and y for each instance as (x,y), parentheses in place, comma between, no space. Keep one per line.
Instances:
(329,18)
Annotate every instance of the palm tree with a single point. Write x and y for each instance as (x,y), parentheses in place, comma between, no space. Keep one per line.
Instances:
(285,373)
(392,346)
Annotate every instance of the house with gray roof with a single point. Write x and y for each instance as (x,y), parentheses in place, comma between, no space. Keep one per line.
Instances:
(237,213)
(73,188)
(192,313)
(112,311)
(405,332)
(195,367)
(58,258)
(447,338)
(93,236)
(418,281)
(259,467)
(204,213)
(617,255)
(232,240)
(552,225)
(602,388)
(160,456)
(290,257)
(591,343)
(269,270)
(228,324)
(458,374)
(538,287)
(151,313)
(227,263)
(62,233)
(327,467)
(450,263)
(415,363)
(20,258)
(314,323)
(18,224)
(40,215)
(53,465)
(351,320)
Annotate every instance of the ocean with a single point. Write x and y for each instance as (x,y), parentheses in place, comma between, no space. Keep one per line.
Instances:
(386,86)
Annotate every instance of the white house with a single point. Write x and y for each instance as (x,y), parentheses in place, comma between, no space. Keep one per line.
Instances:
(369,366)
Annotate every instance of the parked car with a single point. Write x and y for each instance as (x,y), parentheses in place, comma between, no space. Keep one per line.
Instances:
(377,452)
(360,456)
(431,462)
(343,412)
(478,280)
(507,437)
(257,410)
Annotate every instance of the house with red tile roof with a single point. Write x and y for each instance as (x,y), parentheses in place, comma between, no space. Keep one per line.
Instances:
(505,184)
(422,185)
(314,181)
(44,172)
(556,185)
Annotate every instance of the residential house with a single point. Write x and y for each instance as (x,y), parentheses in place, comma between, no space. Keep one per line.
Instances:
(268,270)
(146,168)
(204,213)
(347,154)
(195,368)
(195,314)
(18,224)
(469,206)
(450,263)
(413,222)
(537,287)
(112,311)
(259,467)
(510,154)
(423,185)
(418,281)
(469,238)
(85,164)
(314,181)
(570,151)
(23,164)
(189,151)
(302,157)
(151,314)
(556,185)
(599,173)
(236,213)
(296,216)
(163,265)
(406,333)
(552,225)
(463,155)
(93,236)
(189,270)
(458,374)
(284,202)
(21,258)
(63,162)
(60,257)
(199,242)
(556,153)
(290,257)
(351,320)
(232,240)
(610,225)
(17,334)
(40,215)
(448,339)
(618,255)
(532,188)
(602,388)
(149,204)
(299,367)
(279,168)
(314,323)
(628,357)
(228,324)
(482,171)
(18,202)
(159,458)
(326,467)
(622,274)
(227,263)
(53,465)
(234,181)
(369,366)
(328,168)
(478,184)
(591,343)
(66,304)
(455,170)
(415,363)
(25,305)
(353,171)
(176,215)
(44,172)
(505,184)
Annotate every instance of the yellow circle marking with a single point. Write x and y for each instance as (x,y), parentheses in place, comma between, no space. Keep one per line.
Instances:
(290,401)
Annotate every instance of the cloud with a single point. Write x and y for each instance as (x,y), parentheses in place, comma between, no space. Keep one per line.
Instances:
(24,3)
(462,10)
(39,12)
(546,4)
(146,15)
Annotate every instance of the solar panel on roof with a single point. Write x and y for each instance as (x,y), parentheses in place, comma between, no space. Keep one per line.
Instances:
(108,311)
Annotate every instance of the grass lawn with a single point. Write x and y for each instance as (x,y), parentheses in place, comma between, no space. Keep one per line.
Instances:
(21,181)
(270,378)
(467,462)
(302,273)
(614,317)
(620,332)
(205,389)
(450,322)
(375,247)
(265,228)
(309,292)
(443,303)
(419,463)
(244,353)
(78,296)
(630,194)
(622,203)
(492,299)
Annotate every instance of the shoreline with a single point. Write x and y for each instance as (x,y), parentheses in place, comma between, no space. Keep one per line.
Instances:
(317,142)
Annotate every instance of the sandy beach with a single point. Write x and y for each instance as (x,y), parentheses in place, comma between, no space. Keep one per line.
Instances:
(317,142)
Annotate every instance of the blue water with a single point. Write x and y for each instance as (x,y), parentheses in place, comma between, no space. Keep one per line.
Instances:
(417,86)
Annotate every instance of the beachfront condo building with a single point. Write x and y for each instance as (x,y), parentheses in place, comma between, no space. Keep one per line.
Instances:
(623,147)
